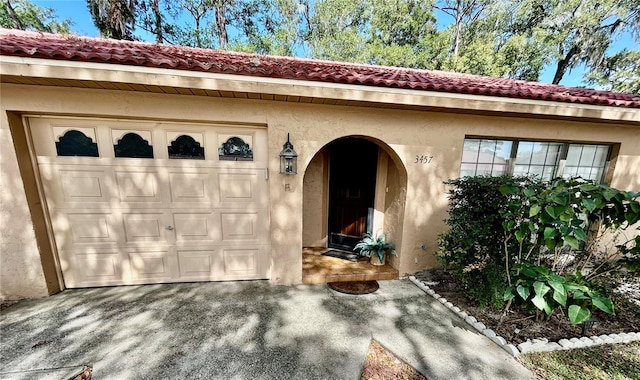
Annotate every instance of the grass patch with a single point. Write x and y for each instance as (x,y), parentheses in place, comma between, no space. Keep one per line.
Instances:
(611,362)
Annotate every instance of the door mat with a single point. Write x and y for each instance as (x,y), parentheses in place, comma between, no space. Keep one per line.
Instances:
(354,287)
(344,255)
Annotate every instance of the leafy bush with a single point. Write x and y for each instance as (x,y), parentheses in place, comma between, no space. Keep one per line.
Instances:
(539,287)
(473,248)
(558,217)
(516,239)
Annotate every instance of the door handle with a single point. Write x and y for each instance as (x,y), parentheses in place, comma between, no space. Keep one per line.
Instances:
(168,228)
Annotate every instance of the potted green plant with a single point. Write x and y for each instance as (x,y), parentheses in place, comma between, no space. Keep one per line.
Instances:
(375,248)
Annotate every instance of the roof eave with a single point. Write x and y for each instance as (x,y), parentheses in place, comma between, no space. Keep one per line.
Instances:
(383,97)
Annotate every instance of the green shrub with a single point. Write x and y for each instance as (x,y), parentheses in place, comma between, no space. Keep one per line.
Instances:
(473,248)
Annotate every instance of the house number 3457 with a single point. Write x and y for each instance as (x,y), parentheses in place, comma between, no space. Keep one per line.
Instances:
(423,159)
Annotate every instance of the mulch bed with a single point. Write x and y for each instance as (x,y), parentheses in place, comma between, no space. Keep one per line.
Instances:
(520,326)
(383,365)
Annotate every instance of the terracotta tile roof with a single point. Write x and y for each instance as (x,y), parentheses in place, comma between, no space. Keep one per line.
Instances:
(74,48)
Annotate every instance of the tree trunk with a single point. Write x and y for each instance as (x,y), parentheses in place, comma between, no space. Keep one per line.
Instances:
(456,43)
(14,17)
(197,31)
(158,16)
(221,23)
(564,64)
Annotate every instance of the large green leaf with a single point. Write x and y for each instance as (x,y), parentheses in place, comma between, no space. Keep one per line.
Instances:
(523,291)
(520,235)
(509,293)
(541,303)
(551,211)
(580,234)
(572,242)
(540,288)
(589,204)
(609,193)
(559,292)
(534,210)
(578,314)
(587,187)
(580,295)
(508,189)
(550,232)
(602,303)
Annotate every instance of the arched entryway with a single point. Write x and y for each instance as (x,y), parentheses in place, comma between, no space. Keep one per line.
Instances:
(353,165)
(351,186)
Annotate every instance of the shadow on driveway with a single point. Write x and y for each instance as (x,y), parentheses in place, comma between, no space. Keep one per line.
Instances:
(241,330)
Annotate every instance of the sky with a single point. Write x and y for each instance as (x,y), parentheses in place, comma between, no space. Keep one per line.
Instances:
(76,10)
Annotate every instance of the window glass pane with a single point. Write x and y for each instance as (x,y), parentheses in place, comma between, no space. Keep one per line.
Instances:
(539,153)
(548,173)
(76,143)
(553,154)
(520,170)
(185,147)
(487,151)
(570,171)
(588,155)
(470,151)
(525,149)
(573,154)
(503,151)
(499,170)
(536,170)
(133,145)
(467,170)
(484,169)
(601,155)
(586,161)
(584,172)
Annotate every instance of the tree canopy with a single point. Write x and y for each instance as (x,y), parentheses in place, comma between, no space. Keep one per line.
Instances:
(498,38)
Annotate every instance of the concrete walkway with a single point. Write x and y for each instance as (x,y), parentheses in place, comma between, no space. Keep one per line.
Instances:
(242,330)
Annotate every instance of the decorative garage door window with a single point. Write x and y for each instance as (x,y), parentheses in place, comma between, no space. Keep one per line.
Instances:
(134,146)
(235,149)
(76,143)
(186,147)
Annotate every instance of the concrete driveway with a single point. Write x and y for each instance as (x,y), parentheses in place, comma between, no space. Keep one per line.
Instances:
(241,330)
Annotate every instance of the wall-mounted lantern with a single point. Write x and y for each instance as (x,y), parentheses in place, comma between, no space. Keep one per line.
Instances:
(288,159)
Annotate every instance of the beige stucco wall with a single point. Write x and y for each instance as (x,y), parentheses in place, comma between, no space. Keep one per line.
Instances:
(21,273)
(315,203)
(406,134)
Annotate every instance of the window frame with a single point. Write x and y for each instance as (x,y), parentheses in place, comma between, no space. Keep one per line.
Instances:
(559,167)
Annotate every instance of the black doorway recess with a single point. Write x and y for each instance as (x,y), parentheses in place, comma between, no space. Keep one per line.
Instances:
(352,183)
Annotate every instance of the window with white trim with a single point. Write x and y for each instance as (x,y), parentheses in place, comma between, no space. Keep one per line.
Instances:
(544,159)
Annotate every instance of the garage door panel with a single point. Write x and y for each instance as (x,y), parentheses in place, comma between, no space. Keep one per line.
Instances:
(94,269)
(151,265)
(190,188)
(92,227)
(199,265)
(241,261)
(87,186)
(196,227)
(240,225)
(240,188)
(140,187)
(145,227)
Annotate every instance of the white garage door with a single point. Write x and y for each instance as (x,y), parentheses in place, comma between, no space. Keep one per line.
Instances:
(139,202)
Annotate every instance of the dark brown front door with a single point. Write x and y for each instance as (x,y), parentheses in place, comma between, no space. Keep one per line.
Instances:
(352,183)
